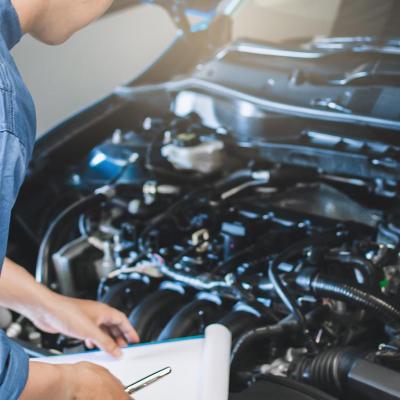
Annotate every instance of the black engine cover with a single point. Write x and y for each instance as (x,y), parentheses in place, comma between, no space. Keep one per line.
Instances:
(275,388)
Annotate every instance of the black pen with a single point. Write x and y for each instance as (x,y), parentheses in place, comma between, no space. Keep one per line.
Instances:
(148,380)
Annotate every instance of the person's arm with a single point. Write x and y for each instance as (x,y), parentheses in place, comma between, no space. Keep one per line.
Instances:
(54,21)
(98,324)
(82,381)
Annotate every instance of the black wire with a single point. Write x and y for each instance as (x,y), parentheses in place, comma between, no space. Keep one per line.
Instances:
(284,293)
(279,286)
(43,260)
(165,215)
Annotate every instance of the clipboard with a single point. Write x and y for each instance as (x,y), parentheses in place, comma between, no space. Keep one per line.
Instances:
(200,366)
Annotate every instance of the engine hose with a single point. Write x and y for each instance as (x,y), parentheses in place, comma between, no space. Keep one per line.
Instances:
(191,319)
(328,287)
(264,333)
(327,371)
(239,321)
(43,260)
(273,176)
(365,269)
(283,291)
(347,373)
(232,179)
(286,326)
(151,315)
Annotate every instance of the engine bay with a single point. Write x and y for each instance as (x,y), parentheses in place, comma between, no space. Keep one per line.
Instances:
(180,224)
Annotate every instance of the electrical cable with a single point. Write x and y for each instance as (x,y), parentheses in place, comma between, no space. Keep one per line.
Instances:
(43,260)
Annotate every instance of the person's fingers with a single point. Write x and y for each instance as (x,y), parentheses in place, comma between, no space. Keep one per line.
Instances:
(105,342)
(119,319)
(129,332)
(127,329)
(121,342)
(89,344)
(118,336)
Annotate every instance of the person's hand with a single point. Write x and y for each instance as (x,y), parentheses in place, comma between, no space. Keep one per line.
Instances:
(92,382)
(82,381)
(96,323)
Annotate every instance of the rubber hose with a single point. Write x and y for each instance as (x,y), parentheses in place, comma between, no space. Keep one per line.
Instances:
(42,264)
(326,287)
(239,322)
(188,320)
(262,333)
(327,371)
(283,291)
(232,179)
(364,267)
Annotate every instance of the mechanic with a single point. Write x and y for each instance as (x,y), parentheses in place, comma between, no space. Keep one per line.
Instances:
(52,22)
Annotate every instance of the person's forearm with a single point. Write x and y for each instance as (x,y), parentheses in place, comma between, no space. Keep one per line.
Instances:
(46,382)
(80,381)
(54,21)
(20,292)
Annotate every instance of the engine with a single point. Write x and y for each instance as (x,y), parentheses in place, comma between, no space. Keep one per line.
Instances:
(178,229)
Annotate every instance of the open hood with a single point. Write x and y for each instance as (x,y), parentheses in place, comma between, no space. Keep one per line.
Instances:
(203,28)
(351,80)
(302,103)
(205,10)
(250,184)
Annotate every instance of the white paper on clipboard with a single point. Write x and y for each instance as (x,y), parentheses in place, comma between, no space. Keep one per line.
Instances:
(200,366)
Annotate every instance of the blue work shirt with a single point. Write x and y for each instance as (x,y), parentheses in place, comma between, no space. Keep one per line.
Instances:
(17,136)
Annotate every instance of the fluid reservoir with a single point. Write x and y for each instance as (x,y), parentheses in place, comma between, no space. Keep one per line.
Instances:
(188,151)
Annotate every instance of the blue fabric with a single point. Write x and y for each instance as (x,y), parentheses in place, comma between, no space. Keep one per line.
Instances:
(13,369)
(17,121)
(17,136)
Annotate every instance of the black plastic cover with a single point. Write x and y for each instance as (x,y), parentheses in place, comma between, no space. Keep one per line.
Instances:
(373,381)
(275,388)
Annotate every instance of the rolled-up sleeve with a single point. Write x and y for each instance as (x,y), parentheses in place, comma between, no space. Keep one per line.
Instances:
(14,369)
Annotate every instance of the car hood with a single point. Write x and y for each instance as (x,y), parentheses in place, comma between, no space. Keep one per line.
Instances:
(350,80)
(304,103)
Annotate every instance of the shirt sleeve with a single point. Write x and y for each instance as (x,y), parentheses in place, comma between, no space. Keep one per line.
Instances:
(10,27)
(14,369)
(12,173)
(13,360)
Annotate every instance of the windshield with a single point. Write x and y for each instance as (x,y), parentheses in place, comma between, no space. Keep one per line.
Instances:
(285,20)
